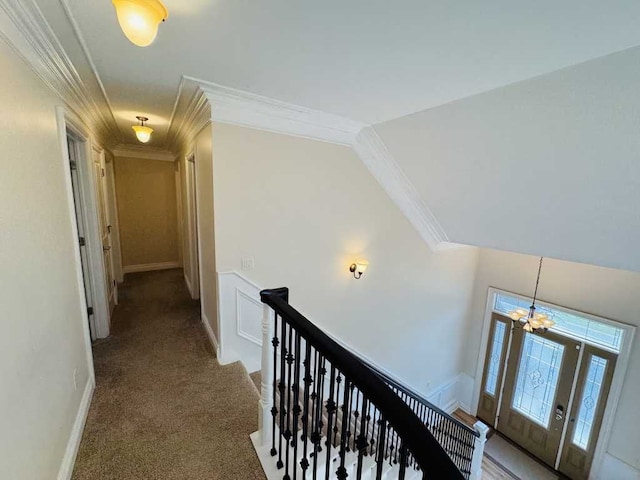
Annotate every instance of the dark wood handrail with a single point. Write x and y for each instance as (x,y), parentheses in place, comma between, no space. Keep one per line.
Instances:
(429,454)
(416,396)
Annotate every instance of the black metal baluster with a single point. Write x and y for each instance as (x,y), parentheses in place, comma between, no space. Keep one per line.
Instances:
(317,434)
(381,449)
(389,442)
(361,442)
(403,462)
(356,416)
(296,406)
(373,428)
(337,400)
(287,432)
(274,409)
(281,388)
(331,407)
(304,463)
(344,439)
(349,416)
(453,428)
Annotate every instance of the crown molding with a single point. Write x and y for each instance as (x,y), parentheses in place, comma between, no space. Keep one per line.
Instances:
(384,168)
(143,152)
(196,115)
(237,107)
(87,54)
(24,28)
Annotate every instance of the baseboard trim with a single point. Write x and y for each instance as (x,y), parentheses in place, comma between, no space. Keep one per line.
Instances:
(613,467)
(149,267)
(69,459)
(211,335)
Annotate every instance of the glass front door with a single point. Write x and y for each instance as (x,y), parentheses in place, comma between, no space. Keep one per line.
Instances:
(538,383)
(546,392)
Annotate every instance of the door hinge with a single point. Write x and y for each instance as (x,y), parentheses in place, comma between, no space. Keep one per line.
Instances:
(74,165)
(82,241)
(90,310)
(114,283)
(102,172)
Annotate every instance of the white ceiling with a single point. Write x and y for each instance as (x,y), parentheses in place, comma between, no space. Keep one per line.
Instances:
(370,61)
(549,166)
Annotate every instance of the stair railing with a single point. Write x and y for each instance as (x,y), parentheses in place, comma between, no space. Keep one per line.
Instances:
(463,443)
(326,414)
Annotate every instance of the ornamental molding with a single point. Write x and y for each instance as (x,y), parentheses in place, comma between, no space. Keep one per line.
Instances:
(237,107)
(386,170)
(24,28)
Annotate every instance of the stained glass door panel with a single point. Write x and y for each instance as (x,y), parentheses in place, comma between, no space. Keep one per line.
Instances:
(539,376)
(494,368)
(594,382)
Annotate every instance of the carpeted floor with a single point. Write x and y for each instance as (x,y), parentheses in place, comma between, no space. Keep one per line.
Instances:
(163,407)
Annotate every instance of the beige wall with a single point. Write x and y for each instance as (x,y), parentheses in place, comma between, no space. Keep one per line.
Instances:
(42,326)
(147,210)
(206,238)
(305,210)
(600,291)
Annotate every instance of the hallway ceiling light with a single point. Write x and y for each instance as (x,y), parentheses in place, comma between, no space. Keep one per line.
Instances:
(139,19)
(532,320)
(142,131)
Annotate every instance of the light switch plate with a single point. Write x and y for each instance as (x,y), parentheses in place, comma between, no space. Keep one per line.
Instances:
(247,263)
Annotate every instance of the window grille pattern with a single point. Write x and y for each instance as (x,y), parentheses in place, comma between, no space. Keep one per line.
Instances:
(537,379)
(589,401)
(569,324)
(494,360)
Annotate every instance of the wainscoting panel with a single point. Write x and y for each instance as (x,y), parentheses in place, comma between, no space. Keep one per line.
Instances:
(240,312)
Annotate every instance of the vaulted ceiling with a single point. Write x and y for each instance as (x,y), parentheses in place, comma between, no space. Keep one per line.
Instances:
(515,121)
(370,61)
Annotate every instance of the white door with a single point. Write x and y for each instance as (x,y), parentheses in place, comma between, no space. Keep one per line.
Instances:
(103,225)
(192,226)
(74,159)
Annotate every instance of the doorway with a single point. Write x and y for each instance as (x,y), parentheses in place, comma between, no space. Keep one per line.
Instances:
(548,392)
(87,191)
(75,155)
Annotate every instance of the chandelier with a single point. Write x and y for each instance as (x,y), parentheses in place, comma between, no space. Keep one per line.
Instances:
(531,320)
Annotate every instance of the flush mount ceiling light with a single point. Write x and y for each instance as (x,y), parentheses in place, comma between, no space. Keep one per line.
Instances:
(142,131)
(531,320)
(358,268)
(139,19)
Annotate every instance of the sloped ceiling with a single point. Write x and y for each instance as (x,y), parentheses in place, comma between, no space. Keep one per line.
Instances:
(369,61)
(549,166)
(545,161)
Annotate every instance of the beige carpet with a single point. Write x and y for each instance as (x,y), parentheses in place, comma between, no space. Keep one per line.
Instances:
(163,407)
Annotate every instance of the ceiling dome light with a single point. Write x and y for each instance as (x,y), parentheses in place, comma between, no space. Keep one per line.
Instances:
(139,19)
(142,131)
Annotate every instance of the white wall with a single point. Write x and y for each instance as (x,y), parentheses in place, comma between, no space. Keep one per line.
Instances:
(545,166)
(206,233)
(600,291)
(305,210)
(42,327)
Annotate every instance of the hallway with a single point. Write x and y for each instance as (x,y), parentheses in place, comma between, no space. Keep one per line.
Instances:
(163,407)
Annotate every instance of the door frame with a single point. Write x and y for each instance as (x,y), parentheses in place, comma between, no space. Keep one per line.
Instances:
(68,123)
(616,384)
(192,225)
(114,220)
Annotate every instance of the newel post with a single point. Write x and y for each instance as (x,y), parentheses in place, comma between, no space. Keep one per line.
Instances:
(266,391)
(478,450)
